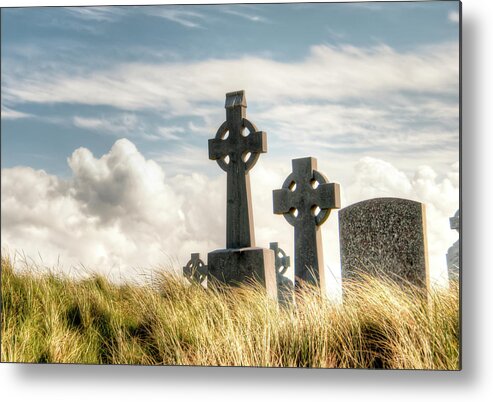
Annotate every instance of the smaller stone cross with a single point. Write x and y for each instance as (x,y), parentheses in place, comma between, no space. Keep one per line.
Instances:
(195,270)
(306,199)
(285,286)
(283,261)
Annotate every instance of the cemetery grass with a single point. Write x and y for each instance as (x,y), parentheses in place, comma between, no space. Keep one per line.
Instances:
(49,318)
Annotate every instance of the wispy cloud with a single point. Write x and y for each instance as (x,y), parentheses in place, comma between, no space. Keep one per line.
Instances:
(335,34)
(244,14)
(96,13)
(345,99)
(186,18)
(12,114)
(123,123)
(329,73)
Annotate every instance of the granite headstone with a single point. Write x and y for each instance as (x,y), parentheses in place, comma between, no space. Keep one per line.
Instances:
(385,237)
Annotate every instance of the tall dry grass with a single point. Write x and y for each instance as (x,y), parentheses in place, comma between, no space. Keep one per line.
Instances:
(50,318)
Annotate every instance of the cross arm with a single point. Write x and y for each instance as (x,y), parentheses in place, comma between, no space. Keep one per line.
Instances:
(328,196)
(256,142)
(217,148)
(281,201)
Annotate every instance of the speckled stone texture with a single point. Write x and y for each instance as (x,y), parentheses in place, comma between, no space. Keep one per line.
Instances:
(385,237)
(238,266)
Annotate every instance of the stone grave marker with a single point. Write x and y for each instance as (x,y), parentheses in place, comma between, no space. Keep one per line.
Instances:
(195,270)
(305,200)
(285,286)
(385,237)
(453,254)
(236,148)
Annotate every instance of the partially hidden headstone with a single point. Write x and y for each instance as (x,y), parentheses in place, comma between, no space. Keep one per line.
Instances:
(305,200)
(453,254)
(385,237)
(285,286)
(195,270)
(236,148)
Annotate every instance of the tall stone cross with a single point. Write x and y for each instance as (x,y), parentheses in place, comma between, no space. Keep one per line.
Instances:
(306,199)
(236,152)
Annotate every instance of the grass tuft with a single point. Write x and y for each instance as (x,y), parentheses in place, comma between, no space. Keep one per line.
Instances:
(48,318)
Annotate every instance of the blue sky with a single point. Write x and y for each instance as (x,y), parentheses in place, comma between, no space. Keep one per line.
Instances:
(370,89)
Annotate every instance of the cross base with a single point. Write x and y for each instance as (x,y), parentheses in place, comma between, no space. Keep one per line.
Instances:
(240,265)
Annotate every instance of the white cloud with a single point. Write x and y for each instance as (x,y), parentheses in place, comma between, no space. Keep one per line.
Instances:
(12,114)
(244,13)
(99,14)
(328,74)
(398,106)
(453,16)
(170,132)
(117,212)
(181,16)
(123,123)
(375,125)
(122,211)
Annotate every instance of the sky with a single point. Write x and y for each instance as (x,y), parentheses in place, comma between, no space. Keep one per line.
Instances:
(107,112)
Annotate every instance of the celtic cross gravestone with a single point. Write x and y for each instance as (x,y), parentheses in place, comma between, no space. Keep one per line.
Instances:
(306,199)
(195,270)
(236,148)
(236,152)
(285,286)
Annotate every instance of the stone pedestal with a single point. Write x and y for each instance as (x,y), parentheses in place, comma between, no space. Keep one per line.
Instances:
(240,265)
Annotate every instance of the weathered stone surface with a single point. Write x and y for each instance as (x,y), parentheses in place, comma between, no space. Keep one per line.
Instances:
(236,148)
(285,286)
(305,200)
(238,266)
(453,254)
(236,154)
(195,270)
(385,237)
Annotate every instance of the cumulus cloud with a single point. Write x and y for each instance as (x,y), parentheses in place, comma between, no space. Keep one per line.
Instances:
(122,211)
(115,213)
